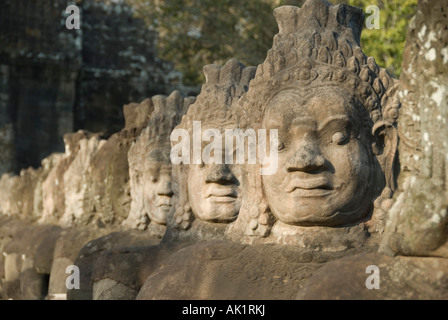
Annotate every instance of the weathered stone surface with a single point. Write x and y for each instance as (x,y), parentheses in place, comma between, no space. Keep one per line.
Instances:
(338,177)
(53,198)
(9,204)
(110,182)
(287,87)
(8,229)
(136,115)
(17,193)
(28,257)
(11,284)
(44,251)
(107,197)
(198,211)
(53,187)
(68,245)
(400,278)
(81,188)
(226,270)
(75,186)
(120,273)
(48,164)
(92,251)
(3,240)
(419,217)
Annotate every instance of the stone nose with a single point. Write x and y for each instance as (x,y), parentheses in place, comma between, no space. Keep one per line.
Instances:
(307,158)
(219,173)
(164,189)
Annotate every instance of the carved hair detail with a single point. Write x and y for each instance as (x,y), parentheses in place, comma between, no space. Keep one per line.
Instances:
(304,56)
(224,85)
(168,112)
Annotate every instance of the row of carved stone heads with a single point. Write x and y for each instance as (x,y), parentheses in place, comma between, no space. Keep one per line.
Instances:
(118,208)
(330,111)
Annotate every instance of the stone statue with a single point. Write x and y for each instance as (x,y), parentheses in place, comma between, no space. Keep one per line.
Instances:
(53,189)
(75,188)
(208,194)
(412,258)
(103,203)
(335,110)
(335,113)
(206,197)
(109,198)
(149,173)
(150,165)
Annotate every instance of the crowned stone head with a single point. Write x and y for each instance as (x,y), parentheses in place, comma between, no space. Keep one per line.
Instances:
(335,112)
(208,194)
(150,165)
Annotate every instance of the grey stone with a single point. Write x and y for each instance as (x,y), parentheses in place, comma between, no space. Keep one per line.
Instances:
(418,219)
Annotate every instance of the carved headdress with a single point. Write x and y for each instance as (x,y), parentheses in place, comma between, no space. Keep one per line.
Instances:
(223,87)
(319,45)
(168,112)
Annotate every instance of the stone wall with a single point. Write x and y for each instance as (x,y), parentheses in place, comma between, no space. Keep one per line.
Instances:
(54,80)
(119,65)
(40,62)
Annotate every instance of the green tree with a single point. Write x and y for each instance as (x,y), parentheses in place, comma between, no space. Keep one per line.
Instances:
(387,43)
(193,33)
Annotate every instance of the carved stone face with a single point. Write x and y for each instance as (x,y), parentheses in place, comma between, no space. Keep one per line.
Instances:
(324,169)
(214,191)
(158,192)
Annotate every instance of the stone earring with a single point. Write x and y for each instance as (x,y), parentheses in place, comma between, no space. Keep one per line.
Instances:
(261,220)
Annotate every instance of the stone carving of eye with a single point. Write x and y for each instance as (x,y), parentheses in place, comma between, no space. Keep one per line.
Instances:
(281,146)
(153,179)
(338,138)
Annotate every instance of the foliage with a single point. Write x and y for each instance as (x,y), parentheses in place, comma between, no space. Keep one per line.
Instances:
(386,45)
(193,33)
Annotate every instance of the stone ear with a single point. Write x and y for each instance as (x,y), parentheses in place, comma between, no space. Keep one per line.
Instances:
(385,149)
